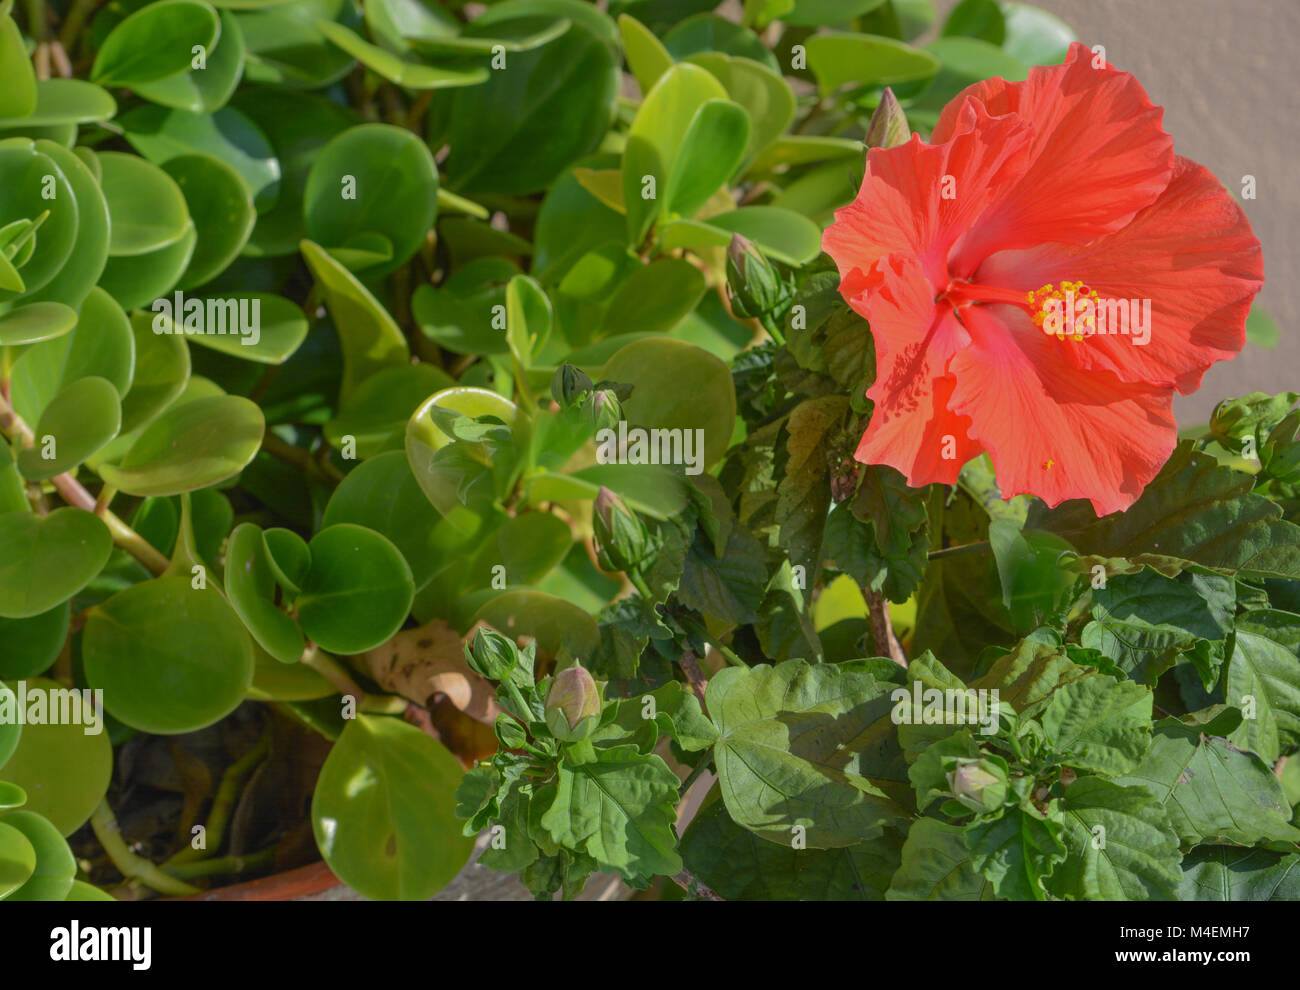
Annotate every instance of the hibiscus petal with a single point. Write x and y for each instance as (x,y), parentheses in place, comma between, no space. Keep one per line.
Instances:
(1098,154)
(1192,253)
(1050,429)
(918,199)
(911,428)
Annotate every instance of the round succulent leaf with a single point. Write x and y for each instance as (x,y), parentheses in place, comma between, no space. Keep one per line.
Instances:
(17,857)
(48,559)
(146,207)
(82,891)
(839,58)
(64,767)
(31,186)
(162,368)
(69,101)
(710,33)
(36,322)
(378,409)
(76,279)
(297,125)
(275,681)
(373,179)
(289,558)
(11,729)
(384,811)
(560,628)
(518,131)
(382,494)
(137,280)
(56,867)
(250,586)
(275,327)
(229,135)
(221,207)
(677,386)
(358,591)
(204,89)
(199,443)
(407,73)
(169,658)
(32,645)
(100,345)
(286,47)
(440,481)
(155,42)
(18,94)
(79,421)
(370,336)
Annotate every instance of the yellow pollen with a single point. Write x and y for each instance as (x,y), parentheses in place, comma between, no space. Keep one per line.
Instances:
(1082,321)
(1047,465)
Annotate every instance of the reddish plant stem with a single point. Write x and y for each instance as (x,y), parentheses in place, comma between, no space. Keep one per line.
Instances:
(882,631)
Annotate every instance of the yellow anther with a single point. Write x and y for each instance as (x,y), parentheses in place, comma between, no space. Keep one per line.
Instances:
(1062,306)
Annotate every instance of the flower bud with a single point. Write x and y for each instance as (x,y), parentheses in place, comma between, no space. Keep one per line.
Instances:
(572,704)
(757,288)
(622,540)
(606,410)
(979,785)
(491,654)
(510,733)
(568,384)
(888,127)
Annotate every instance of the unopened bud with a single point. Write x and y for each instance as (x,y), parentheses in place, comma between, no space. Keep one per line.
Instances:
(979,785)
(622,540)
(606,410)
(757,288)
(568,384)
(572,704)
(888,127)
(491,654)
(510,733)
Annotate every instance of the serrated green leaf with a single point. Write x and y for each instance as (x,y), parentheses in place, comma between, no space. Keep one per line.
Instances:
(620,810)
(1121,845)
(792,751)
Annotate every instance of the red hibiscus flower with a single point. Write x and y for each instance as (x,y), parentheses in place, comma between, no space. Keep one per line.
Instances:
(1040,278)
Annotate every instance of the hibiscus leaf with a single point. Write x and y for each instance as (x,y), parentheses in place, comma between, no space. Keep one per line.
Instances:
(1194,510)
(795,750)
(676,712)
(1225,873)
(1143,621)
(883,537)
(804,493)
(618,808)
(1263,680)
(1212,791)
(937,867)
(729,586)
(739,866)
(784,629)
(1028,677)
(1120,845)
(1017,851)
(1102,724)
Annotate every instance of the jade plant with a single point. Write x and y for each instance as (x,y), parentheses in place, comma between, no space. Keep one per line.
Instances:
(642,439)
